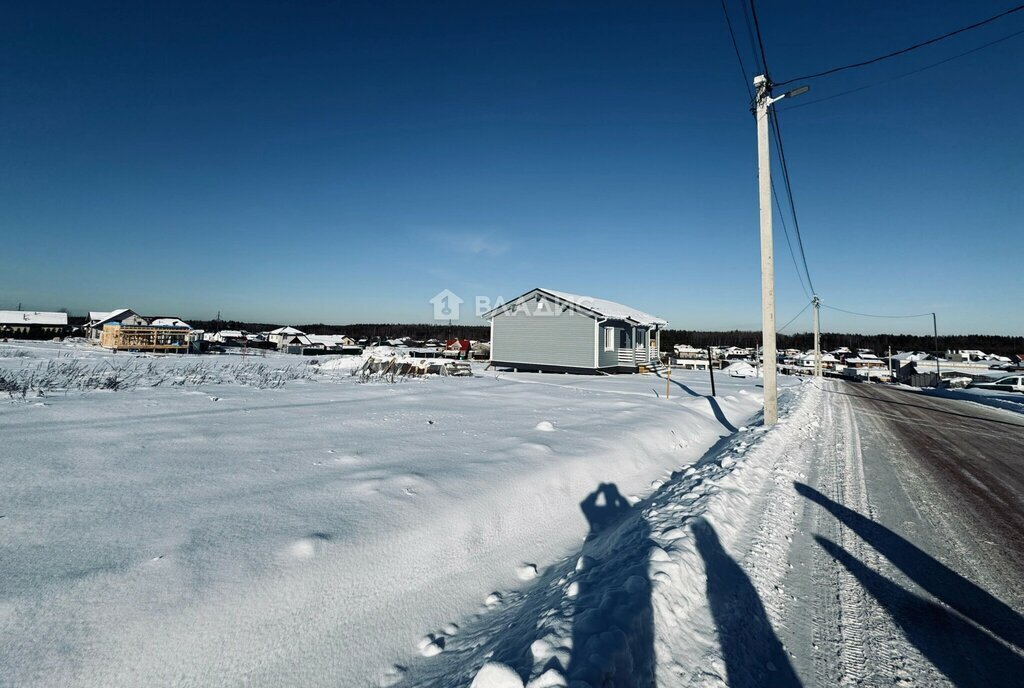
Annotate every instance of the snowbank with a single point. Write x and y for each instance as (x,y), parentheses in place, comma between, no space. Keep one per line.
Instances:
(313,534)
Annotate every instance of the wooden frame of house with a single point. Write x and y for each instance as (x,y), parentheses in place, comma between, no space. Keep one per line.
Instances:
(154,339)
(552,331)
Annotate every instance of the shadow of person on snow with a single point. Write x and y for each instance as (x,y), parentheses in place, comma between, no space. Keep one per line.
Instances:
(967,655)
(933,576)
(613,621)
(752,652)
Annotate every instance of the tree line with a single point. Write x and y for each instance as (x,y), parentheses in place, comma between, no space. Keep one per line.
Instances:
(879,343)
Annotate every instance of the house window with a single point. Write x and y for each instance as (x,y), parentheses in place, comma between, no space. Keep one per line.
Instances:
(624,339)
(609,339)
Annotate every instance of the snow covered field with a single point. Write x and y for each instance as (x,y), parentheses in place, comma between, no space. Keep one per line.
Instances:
(219,530)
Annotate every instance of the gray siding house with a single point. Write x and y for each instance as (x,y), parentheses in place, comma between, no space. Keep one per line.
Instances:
(554,331)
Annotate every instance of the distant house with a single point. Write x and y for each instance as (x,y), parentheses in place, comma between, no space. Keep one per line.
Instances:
(553,331)
(119,316)
(284,337)
(33,324)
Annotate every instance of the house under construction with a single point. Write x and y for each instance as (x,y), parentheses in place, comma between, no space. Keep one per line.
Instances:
(152,338)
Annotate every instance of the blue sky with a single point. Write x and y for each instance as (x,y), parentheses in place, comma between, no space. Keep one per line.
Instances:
(344,162)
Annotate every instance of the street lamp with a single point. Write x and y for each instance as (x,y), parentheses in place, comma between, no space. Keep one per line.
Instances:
(764,182)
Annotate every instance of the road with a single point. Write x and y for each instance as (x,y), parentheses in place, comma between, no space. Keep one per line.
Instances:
(908,565)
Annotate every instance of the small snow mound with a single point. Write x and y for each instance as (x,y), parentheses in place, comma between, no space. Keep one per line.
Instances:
(431,645)
(545,426)
(391,676)
(584,563)
(549,679)
(304,548)
(657,554)
(493,600)
(450,629)
(496,675)
(526,572)
(728,463)
(573,590)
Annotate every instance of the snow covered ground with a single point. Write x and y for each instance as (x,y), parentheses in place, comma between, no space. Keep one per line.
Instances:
(220,529)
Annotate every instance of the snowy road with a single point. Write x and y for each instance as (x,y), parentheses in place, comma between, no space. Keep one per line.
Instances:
(907,566)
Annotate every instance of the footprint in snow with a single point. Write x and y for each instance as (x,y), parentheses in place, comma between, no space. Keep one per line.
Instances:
(431,645)
(526,572)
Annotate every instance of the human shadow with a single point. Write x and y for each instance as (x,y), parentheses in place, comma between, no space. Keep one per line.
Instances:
(967,655)
(933,576)
(613,621)
(753,654)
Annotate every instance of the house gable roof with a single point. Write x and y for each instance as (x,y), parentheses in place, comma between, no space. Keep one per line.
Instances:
(601,308)
(114,316)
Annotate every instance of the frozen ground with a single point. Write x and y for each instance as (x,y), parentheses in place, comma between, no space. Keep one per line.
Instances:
(326,532)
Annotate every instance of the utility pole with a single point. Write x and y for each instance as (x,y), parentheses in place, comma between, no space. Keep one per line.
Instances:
(764,190)
(938,367)
(769,356)
(817,336)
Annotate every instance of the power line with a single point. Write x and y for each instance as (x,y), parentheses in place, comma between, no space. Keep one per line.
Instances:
(806,306)
(775,195)
(774,120)
(873,60)
(760,43)
(906,74)
(748,22)
(873,315)
(736,47)
(789,243)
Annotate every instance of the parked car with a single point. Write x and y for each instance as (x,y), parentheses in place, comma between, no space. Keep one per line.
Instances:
(1014,383)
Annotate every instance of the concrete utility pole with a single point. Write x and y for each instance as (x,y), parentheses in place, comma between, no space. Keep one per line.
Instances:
(769,356)
(817,336)
(764,191)
(938,367)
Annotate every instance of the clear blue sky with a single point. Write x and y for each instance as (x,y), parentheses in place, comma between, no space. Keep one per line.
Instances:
(343,162)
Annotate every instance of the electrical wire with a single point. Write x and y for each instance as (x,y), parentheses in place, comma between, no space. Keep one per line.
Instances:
(905,74)
(774,120)
(785,171)
(873,60)
(791,320)
(736,47)
(760,43)
(785,231)
(873,315)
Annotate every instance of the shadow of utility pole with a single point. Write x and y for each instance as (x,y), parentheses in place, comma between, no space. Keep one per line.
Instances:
(967,655)
(933,576)
(753,654)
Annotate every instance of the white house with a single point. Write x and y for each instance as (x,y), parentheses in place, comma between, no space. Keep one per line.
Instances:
(284,337)
(119,316)
(32,324)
